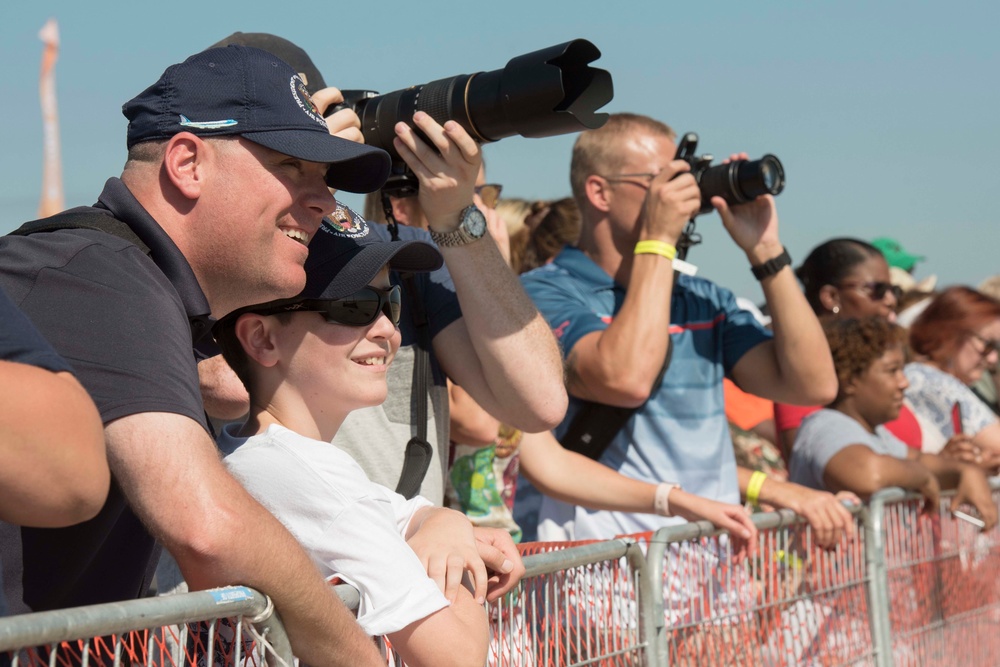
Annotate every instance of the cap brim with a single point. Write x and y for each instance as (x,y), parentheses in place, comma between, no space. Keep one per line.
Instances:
(354,167)
(361,269)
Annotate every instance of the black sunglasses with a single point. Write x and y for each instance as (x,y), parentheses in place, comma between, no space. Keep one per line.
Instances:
(358,310)
(875,290)
(989,346)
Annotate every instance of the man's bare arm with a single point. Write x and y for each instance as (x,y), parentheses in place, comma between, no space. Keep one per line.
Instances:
(501,350)
(54,470)
(171,474)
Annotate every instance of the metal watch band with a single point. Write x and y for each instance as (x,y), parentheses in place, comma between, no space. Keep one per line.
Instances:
(460,235)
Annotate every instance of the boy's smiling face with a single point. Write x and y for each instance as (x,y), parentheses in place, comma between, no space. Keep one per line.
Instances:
(337,368)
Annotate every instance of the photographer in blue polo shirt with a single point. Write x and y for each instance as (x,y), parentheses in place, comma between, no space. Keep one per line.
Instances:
(617,305)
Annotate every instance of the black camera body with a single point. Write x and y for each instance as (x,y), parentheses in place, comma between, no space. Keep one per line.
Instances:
(540,94)
(737,182)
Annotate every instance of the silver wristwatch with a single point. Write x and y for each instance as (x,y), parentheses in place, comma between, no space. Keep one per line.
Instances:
(471,227)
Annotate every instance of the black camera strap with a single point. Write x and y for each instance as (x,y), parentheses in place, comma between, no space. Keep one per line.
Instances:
(419,453)
(595,425)
(83,219)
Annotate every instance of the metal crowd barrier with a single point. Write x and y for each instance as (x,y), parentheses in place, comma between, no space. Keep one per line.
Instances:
(225,627)
(939,584)
(789,603)
(578,604)
(911,589)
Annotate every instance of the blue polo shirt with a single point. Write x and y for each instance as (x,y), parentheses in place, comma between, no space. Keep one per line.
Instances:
(681,433)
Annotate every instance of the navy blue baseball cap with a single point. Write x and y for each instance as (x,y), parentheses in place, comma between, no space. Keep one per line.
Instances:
(345,255)
(290,52)
(245,91)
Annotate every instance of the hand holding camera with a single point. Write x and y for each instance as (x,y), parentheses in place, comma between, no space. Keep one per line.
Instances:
(344,122)
(446,169)
(753,224)
(673,199)
(748,185)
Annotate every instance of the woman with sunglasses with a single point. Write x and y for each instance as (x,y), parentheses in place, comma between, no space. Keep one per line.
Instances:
(954,341)
(845,278)
(306,363)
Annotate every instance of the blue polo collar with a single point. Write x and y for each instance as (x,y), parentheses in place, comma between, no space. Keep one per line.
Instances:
(576,262)
(117,199)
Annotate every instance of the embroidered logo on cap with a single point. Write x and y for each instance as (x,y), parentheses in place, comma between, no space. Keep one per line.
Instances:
(346,223)
(208,124)
(303,99)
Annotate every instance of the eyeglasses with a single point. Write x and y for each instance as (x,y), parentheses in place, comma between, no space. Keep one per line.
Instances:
(875,289)
(627,178)
(489,193)
(358,310)
(989,346)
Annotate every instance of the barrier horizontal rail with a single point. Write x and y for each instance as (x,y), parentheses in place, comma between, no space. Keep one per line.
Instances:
(201,628)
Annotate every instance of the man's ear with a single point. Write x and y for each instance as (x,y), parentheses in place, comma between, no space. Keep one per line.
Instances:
(598,192)
(256,334)
(183,164)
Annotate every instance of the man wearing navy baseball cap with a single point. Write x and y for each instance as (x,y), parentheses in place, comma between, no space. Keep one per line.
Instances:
(228,178)
(469,321)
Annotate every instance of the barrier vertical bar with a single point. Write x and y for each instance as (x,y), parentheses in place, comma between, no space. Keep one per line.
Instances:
(651,604)
(873,518)
(649,594)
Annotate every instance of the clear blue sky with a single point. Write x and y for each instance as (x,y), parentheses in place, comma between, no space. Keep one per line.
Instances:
(885,115)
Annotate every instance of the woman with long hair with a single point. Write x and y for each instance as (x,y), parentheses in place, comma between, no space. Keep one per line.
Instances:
(953,342)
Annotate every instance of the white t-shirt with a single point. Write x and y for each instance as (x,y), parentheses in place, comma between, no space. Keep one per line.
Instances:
(350,526)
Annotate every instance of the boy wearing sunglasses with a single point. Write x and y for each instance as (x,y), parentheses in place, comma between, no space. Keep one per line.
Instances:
(306,363)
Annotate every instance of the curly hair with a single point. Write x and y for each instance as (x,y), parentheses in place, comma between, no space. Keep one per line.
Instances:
(940,330)
(857,343)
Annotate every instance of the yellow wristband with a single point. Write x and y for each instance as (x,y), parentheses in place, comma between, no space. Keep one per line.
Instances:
(653,247)
(753,487)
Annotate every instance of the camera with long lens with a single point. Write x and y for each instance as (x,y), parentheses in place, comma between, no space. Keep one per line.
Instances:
(540,94)
(737,182)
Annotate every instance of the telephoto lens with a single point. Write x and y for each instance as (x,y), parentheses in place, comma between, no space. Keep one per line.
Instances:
(540,94)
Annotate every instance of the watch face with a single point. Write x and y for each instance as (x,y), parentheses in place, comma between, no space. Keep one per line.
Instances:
(474,221)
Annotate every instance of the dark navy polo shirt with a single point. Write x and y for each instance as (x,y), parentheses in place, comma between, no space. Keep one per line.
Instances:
(20,341)
(126,323)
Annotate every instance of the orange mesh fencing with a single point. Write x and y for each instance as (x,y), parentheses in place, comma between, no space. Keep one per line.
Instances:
(580,615)
(944,588)
(219,643)
(790,603)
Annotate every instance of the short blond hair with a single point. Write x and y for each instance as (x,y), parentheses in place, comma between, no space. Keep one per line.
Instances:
(598,151)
